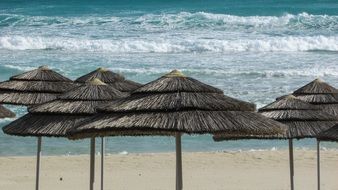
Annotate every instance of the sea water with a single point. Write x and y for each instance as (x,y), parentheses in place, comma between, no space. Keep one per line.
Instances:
(254,50)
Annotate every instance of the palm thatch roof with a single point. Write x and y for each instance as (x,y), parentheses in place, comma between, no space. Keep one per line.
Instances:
(329,135)
(54,118)
(230,137)
(6,113)
(42,125)
(114,79)
(27,99)
(321,94)
(304,119)
(329,108)
(176,103)
(34,87)
(43,73)
(318,86)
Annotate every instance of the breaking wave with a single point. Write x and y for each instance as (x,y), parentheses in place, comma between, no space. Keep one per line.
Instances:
(179,20)
(309,72)
(169,45)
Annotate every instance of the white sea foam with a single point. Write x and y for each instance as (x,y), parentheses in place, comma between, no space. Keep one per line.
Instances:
(6,120)
(166,45)
(179,20)
(260,150)
(35,21)
(250,150)
(123,153)
(170,33)
(20,67)
(308,72)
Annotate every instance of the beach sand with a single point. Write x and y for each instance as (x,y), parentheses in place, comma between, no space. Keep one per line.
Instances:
(260,170)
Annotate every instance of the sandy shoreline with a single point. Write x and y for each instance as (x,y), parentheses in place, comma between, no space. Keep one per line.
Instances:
(265,170)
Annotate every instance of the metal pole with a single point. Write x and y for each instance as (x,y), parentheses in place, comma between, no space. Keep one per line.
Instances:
(102,160)
(92,163)
(38,155)
(318,164)
(291,164)
(179,178)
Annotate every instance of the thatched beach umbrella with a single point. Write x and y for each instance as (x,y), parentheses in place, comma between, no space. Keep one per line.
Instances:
(304,120)
(6,113)
(325,97)
(321,94)
(328,135)
(54,118)
(117,81)
(114,79)
(34,87)
(173,105)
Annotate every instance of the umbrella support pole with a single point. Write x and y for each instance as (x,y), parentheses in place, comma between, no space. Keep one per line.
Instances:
(92,163)
(291,164)
(318,164)
(102,160)
(38,155)
(179,178)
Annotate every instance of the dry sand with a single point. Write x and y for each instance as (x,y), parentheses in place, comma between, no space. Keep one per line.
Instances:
(266,170)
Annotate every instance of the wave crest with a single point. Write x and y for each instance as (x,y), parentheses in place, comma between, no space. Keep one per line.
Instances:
(178,45)
(181,20)
(310,72)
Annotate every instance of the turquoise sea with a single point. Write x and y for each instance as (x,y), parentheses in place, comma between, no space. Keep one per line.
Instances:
(255,50)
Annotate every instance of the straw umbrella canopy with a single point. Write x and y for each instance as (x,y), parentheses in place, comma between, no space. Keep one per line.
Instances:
(328,135)
(114,79)
(304,120)
(54,118)
(172,105)
(324,96)
(321,94)
(117,81)
(34,87)
(6,113)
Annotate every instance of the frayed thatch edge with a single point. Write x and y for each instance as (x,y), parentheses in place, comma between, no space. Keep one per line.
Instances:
(6,113)
(142,131)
